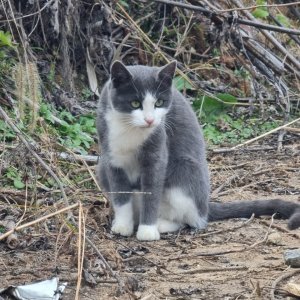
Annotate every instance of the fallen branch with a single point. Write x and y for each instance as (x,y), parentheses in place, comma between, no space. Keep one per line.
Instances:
(209,13)
(259,6)
(270,37)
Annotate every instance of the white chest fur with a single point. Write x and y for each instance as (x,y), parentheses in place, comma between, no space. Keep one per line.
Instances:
(124,143)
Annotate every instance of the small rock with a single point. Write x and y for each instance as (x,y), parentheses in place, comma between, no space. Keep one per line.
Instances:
(292,258)
(293,289)
(275,238)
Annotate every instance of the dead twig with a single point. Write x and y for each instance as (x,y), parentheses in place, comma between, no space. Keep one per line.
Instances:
(281,278)
(20,227)
(81,246)
(120,281)
(258,6)
(227,150)
(243,249)
(229,229)
(265,134)
(215,193)
(207,270)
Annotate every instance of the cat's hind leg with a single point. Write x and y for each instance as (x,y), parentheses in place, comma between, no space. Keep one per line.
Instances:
(186,193)
(165,225)
(178,209)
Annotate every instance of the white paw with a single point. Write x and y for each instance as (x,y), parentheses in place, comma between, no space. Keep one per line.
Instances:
(123,228)
(123,222)
(167,226)
(147,233)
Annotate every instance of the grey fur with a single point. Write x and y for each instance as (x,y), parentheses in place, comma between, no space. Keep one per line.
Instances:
(172,156)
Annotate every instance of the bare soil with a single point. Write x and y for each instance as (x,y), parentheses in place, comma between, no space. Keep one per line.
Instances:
(235,259)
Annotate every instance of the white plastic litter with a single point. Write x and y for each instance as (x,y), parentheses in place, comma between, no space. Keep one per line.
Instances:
(43,290)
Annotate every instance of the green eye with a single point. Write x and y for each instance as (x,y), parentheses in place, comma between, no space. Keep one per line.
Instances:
(159,103)
(135,104)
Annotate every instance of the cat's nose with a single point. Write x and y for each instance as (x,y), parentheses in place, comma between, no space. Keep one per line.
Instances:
(149,121)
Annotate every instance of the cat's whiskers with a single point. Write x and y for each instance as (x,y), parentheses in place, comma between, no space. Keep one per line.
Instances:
(169,125)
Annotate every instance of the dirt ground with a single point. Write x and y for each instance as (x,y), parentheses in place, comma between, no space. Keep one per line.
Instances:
(236,259)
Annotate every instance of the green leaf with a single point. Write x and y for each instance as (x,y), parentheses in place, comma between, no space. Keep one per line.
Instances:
(283,20)
(5,39)
(18,184)
(182,84)
(124,3)
(260,13)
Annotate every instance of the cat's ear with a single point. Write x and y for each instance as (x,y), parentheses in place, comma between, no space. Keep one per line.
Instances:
(167,72)
(119,74)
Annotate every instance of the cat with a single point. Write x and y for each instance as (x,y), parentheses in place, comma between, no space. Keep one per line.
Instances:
(153,163)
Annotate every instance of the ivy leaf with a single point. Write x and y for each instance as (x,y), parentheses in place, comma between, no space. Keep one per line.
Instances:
(182,84)
(18,184)
(283,20)
(260,13)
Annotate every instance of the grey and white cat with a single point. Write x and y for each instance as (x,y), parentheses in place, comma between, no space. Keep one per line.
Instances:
(151,142)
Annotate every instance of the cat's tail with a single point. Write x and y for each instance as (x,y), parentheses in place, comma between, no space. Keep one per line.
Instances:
(244,209)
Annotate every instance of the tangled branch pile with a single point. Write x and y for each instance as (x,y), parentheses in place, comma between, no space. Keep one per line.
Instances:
(71,43)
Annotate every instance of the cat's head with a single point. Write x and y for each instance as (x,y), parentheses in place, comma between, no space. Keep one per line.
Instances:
(142,94)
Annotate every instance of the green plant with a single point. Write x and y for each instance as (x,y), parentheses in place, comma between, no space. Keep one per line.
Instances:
(15,177)
(5,39)
(6,133)
(86,93)
(228,130)
(209,108)
(260,12)
(6,60)
(182,84)
(72,132)
(283,20)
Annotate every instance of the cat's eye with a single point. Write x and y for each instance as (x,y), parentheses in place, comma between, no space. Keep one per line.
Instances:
(135,104)
(159,103)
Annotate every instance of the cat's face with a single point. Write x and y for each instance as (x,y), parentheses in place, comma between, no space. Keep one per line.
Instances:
(141,94)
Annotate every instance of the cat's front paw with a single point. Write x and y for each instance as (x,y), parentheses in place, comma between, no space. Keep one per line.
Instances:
(122,228)
(147,233)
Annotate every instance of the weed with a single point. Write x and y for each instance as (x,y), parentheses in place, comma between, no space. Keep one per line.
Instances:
(15,177)
(6,133)
(260,12)
(86,93)
(72,132)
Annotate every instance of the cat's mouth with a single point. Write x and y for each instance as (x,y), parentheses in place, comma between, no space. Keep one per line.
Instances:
(147,126)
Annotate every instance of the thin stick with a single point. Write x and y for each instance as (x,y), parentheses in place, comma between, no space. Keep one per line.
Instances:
(29,15)
(231,251)
(18,228)
(80,246)
(113,273)
(229,229)
(265,134)
(207,270)
(258,6)
(280,278)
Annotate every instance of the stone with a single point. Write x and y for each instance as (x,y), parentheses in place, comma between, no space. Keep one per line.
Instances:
(292,258)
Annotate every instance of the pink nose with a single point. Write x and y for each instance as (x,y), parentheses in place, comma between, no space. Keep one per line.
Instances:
(149,121)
